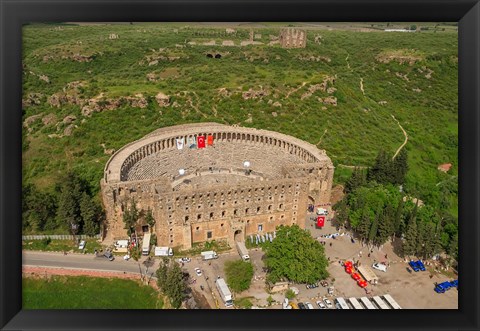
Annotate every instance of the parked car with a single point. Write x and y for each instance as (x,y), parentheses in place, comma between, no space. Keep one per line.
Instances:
(442,287)
(301,305)
(82,244)
(420,265)
(109,255)
(309,305)
(321,305)
(324,283)
(414,266)
(328,303)
(198,271)
(379,266)
(184,259)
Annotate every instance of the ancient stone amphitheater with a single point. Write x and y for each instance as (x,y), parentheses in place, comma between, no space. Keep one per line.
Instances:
(203,194)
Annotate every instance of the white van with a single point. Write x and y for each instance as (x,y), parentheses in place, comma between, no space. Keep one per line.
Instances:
(322,212)
(379,266)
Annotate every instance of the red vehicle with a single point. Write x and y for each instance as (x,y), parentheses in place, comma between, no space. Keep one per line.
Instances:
(348,270)
(348,264)
(356,276)
(362,283)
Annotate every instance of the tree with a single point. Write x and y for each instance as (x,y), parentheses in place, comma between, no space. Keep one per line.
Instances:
(239,275)
(372,234)
(413,27)
(410,243)
(130,216)
(296,256)
(149,219)
(398,223)
(38,209)
(357,179)
(453,247)
(290,295)
(341,212)
(381,171)
(171,281)
(400,167)
(69,202)
(385,225)
(90,213)
(363,227)
(177,288)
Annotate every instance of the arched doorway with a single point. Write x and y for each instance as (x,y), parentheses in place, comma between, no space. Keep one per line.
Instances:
(238,236)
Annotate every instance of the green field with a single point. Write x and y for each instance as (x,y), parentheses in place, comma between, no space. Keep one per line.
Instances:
(80,292)
(412,76)
(58,245)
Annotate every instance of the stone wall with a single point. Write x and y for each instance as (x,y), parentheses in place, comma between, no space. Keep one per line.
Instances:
(293,38)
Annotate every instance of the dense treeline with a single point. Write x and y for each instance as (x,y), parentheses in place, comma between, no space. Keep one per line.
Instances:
(378,208)
(71,208)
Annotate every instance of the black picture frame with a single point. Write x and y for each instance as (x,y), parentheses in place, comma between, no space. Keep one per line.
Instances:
(16,13)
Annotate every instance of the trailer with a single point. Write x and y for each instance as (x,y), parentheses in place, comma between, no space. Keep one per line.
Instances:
(355,304)
(380,303)
(163,251)
(146,244)
(224,292)
(368,274)
(388,298)
(242,250)
(340,303)
(367,303)
(209,255)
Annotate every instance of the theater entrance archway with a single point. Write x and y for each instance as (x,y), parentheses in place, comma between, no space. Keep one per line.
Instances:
(239,236)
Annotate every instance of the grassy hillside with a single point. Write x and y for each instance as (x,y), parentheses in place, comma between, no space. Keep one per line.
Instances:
(412,76)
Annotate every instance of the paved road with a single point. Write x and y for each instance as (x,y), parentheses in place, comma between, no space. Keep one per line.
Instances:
(85,262)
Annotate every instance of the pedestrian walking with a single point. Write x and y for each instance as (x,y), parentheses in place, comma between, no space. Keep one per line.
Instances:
(368,254)
(386,256)
(330,244)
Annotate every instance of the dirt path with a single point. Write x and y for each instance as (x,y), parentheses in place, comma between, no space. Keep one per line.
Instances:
(351,166)
(295,90)
(361,86)
(406,138)
(321,138)
(348,63)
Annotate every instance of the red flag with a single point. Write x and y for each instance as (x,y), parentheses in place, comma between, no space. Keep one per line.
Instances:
(320,221)
(210,140)
(201,141)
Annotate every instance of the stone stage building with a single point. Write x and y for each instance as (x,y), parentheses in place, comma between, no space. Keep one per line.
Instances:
(247,182)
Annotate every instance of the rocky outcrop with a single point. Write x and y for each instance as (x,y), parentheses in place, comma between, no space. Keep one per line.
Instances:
(101,103)
(328,100)
(69,119)
(69,130)
(255,94)
(30,120)
(32,99)
(163,100)
(319,87)
(49,119)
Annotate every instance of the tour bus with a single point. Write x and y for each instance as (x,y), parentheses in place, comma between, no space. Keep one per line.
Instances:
(340,303)
(366,302)
(355,304)
(380,303)
(388,298)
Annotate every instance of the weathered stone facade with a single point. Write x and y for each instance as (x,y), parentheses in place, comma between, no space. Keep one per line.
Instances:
(293,38)
(216,197)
